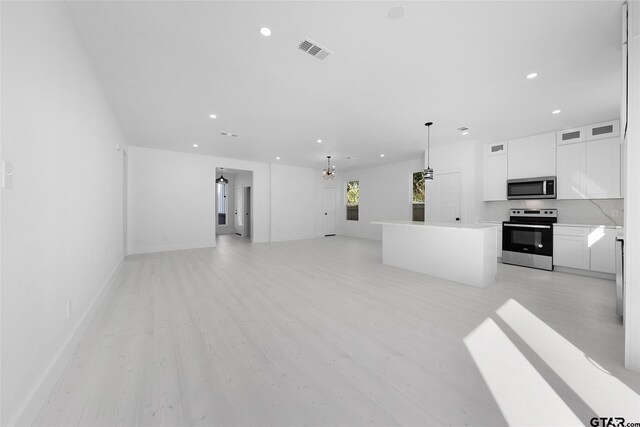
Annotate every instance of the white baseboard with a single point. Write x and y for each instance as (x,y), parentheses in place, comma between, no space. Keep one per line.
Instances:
(173,247)
(588,273)
(36,399)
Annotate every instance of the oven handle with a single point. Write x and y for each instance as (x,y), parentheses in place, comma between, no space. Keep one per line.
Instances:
(527,226)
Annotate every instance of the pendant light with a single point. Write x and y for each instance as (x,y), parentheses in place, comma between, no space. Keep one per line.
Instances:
(428,172)
(222,179)
(330,171)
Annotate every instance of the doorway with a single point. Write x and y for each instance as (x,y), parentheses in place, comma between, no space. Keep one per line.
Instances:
(238,211)
(247,213)
(445,192)
(329,210)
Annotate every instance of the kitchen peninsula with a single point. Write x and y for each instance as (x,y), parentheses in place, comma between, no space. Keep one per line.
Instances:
(464,253)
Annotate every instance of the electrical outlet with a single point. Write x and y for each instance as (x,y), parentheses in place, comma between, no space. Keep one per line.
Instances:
(68,309)
(615,213)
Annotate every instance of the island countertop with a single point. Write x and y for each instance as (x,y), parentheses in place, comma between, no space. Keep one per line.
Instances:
(475,226)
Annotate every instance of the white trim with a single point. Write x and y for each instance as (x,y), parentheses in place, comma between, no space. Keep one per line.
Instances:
(168,248)
(43,387)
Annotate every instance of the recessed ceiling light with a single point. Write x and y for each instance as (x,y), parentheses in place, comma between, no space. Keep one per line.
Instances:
(319,141)
(277,158)
(466,132)
(213,116)
(556,112)
(265,31)
(381,155)
(195,145)
(532,75)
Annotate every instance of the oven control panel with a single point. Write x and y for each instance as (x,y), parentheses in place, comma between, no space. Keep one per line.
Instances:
(534,213)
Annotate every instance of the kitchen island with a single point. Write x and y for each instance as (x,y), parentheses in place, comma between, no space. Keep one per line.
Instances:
(464,253)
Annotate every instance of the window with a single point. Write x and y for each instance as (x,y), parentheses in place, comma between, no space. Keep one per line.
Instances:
(221,190)
(353,199)
(417,202)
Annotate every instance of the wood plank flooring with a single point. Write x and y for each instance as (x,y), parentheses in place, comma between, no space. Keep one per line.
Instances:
(312,332)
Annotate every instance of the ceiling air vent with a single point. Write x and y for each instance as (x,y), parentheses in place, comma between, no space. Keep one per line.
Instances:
(314,49)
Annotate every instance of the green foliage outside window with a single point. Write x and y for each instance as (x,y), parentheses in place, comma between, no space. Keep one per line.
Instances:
(353,193)
(418,187)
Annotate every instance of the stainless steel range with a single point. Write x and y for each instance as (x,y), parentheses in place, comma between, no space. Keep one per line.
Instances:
(527,238)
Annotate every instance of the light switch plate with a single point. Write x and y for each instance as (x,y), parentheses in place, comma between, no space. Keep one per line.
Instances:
(7,175)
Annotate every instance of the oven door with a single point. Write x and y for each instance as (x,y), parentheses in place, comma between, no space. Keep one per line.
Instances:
(535,239)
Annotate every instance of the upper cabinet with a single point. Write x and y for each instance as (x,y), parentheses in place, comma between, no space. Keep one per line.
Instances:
(532,156)
(495,171)
(590,168)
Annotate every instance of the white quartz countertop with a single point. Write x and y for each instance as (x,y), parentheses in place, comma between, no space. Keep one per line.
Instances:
(477,226)
(560,224)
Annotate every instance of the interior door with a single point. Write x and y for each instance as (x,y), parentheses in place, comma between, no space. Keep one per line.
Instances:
(446,197)
(238,211)
(329,212)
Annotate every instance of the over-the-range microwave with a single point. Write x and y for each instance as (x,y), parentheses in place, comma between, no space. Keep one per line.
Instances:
(532,188)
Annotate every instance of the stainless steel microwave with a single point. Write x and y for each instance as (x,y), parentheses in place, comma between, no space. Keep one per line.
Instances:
(532,188)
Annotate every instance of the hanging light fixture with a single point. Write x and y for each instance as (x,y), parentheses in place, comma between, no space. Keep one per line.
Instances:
(428,172)
(330,171)
(222,179)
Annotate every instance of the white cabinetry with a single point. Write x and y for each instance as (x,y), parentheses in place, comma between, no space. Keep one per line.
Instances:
(570,247)
(602,245)
(533,156)
(585,248)
(589,169)
(495,171)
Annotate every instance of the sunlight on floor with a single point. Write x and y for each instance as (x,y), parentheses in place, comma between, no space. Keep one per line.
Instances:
(605,394)
(523,395)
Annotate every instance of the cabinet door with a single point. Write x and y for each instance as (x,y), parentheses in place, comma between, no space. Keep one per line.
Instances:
(602,244)
(518,165)
(571,251)
(602,174)
(571,165)
(495,178)
(541,155)
(533,156)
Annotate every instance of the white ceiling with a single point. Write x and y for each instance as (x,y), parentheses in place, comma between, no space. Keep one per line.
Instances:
(167,65)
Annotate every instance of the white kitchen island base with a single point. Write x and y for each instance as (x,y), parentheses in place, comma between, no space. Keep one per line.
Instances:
(464,253)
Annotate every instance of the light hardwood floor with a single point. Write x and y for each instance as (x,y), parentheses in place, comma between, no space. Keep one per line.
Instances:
(312,332)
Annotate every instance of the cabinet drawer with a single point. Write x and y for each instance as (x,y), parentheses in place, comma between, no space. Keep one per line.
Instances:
(571,231)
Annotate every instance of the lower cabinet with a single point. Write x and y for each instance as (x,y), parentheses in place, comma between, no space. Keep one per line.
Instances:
(570,247)
(585,248)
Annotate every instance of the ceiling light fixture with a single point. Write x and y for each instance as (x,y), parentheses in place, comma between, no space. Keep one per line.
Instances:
(222,179)
(319,141)
(428,172)
(265,31)
(213,116)
(556,112)
(195,145)
(330,171)
(277,158)
(381,155)
(532,75)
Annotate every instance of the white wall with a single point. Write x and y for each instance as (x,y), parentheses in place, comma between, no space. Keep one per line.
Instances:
(385,194)
(632,198)
(293,203)
(171,201)
(460,156)
(62,236)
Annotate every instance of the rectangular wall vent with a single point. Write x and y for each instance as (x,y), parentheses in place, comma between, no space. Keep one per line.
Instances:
(602,130)
(571,135)
(314,49)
